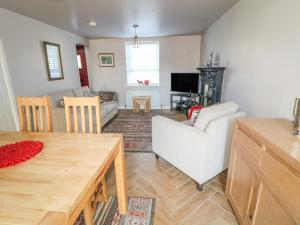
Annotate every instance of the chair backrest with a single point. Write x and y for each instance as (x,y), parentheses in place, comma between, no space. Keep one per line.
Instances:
(32,113)
(210,113)
(85,107)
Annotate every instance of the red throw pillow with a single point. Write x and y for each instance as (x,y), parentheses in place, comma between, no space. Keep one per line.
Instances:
(196,107)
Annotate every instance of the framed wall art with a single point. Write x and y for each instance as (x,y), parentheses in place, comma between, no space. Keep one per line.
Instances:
(106,59)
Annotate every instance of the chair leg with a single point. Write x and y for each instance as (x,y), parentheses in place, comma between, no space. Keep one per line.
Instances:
(156,156)
(101,194)
(88,214)
(104,190)
(199,186)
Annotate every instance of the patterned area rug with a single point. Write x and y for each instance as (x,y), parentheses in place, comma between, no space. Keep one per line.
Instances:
(140,212)
(136,128)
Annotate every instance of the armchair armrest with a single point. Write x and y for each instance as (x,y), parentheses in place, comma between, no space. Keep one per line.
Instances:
(181,145)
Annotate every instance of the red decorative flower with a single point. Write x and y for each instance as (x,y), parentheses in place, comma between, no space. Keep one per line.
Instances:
(18,152)
(146,82)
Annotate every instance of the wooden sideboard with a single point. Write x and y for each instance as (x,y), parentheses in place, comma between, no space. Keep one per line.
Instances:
(263,183)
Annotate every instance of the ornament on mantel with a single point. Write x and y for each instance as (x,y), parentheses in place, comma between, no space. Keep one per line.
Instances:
(213,60)
(210,60)
(216,61)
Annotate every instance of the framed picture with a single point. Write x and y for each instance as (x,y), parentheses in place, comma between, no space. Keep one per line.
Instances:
(53,61)
(106,59)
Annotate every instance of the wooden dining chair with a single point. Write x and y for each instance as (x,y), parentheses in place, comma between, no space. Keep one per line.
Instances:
(35,114)
(85,107)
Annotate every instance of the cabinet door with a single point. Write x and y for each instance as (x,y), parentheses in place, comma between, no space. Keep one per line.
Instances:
(241,184)
(268,211)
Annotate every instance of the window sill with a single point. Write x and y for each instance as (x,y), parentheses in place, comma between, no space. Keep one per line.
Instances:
(142,86)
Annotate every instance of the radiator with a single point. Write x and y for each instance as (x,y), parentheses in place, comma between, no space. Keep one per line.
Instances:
(155,100)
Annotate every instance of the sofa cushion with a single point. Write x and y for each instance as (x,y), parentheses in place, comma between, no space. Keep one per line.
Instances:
(213,112)
(57,96)
(107,107)
(79,92)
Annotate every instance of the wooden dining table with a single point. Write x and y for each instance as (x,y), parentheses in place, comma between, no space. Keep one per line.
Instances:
(53,187)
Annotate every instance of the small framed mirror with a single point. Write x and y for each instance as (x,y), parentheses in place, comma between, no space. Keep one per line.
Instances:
(53,61)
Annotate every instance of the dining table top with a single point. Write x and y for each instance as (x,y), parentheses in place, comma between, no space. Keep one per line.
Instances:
(46,188)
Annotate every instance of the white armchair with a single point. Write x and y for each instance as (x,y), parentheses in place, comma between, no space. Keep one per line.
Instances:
(200,151)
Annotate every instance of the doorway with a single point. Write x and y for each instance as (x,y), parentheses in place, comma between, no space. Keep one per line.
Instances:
(82,66)
(8,108)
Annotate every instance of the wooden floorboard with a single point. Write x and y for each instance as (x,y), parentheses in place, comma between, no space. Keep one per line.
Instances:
(178,202)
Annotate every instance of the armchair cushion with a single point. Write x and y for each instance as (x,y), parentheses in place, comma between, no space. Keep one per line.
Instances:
(213,112)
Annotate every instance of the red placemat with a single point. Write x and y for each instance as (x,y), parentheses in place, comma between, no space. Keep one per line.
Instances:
(18,152)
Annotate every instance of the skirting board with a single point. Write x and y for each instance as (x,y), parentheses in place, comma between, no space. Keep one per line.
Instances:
(153,107)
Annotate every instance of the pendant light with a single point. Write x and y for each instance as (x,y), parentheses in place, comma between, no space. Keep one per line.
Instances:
(136,39)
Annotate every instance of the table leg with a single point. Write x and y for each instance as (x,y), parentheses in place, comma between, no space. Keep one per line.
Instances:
(121,179)
(133,105)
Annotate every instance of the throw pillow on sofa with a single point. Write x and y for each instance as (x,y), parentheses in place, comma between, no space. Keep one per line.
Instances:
(193,118)
(79,92)
(108,96)
(213,112)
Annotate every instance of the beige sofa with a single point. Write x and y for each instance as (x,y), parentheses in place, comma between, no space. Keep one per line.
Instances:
(108,109)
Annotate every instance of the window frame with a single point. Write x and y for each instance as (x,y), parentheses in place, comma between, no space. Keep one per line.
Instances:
(59,61)
(130,43)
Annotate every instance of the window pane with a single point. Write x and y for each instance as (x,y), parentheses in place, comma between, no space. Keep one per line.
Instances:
(79,62)
(142,63)
(53,61)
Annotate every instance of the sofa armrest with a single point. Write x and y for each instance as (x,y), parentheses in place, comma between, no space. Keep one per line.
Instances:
(181,145)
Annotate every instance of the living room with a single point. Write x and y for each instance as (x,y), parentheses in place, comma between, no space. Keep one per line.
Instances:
(200,159)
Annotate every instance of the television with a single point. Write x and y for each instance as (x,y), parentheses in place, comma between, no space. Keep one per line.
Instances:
(185,82)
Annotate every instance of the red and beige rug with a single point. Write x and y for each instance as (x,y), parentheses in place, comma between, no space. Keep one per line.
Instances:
(136,128)
(140,212)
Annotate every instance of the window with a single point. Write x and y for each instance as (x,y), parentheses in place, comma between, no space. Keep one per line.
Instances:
(142,63)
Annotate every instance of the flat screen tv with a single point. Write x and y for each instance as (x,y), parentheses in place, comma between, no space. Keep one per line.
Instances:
(185,82)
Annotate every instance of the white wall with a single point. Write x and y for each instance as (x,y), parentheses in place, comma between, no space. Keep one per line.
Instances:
(259,42)
(177,54)
(22,39)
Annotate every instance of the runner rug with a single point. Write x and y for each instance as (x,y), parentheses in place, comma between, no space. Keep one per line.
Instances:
(136,128)
(140,211)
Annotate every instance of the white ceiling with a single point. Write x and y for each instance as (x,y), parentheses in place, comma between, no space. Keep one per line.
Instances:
(115,17)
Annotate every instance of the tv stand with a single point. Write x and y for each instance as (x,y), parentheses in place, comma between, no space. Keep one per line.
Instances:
(185,100)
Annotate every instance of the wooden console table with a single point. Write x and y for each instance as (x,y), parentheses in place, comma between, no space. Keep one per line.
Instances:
(263,184)
(141,100)
(54,187)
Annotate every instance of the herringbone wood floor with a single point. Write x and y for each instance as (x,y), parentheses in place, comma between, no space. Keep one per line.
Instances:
(178,202)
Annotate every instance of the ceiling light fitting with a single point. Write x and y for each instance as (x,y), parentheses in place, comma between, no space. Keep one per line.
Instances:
(136,39)
(92,23)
